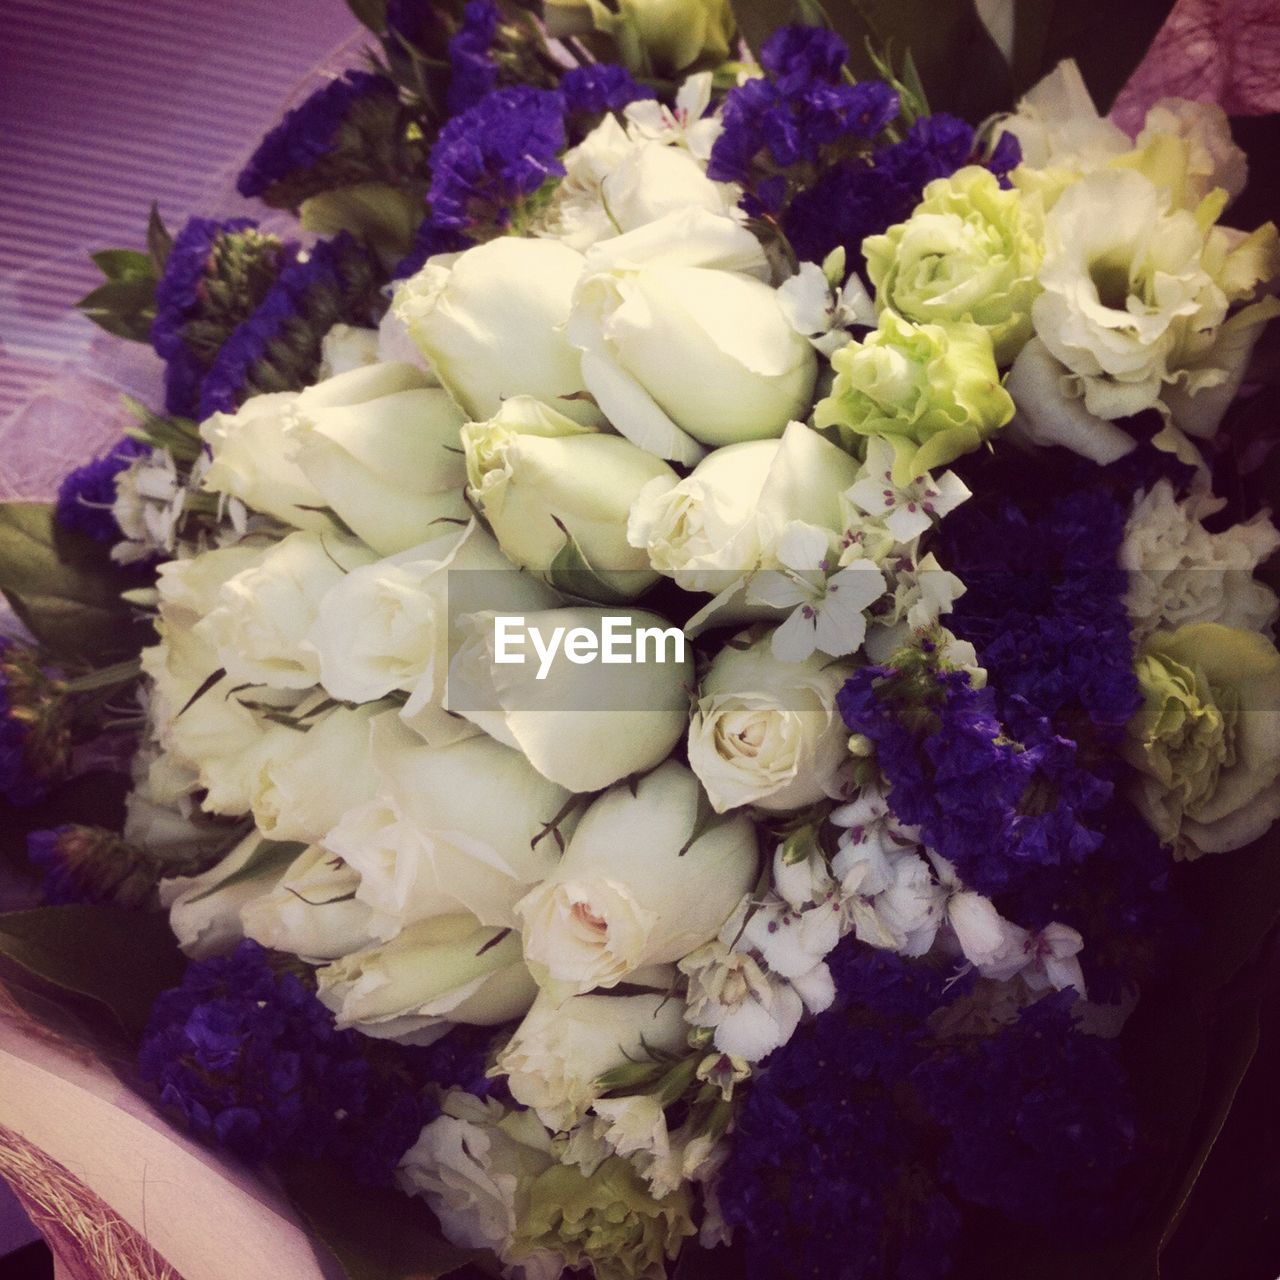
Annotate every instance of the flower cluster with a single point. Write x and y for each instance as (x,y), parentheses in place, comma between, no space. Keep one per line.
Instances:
(680,702)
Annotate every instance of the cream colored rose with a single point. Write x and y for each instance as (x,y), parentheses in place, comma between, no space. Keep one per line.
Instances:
(648,876)
(491,324)
(380,445)
(435,973)
(766,732)
(556,1056)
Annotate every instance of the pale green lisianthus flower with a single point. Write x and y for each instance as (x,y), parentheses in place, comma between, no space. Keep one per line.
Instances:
(969,251)
(931,390)
(1206,740)
(609,1221)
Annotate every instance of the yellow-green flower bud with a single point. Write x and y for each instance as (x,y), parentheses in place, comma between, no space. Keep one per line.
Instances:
(969,251)
(1206,740)
(609,1221)
(931,390)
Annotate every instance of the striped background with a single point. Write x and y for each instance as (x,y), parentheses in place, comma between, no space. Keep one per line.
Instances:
(106,105)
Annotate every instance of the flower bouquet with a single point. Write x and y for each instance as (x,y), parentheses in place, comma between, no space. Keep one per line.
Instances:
(682,683)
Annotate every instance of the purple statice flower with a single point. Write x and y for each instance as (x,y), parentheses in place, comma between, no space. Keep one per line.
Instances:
(491,159)
(278,347)
(864,195)
(472,71)
(829,1175)
(35,729)
(86,495)
(599,87)
(91,864)
(785,120)
(185,270)
(1038,1121)
(247,1056)
(1000,808)
(308,132)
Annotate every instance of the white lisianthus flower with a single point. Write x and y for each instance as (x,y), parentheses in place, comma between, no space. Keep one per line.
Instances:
(539,478)
(583,724)
(311,911)
(491,324)
(432,975)
(431,842)
(204,910)
(252,462)
(645,880)
(766,731)
(724,520)
(381,448)
(1180,573)
(679,285)
(474,1165)
(556,1056)
(385,626)
(263,613)
(316,774)
(1208,156)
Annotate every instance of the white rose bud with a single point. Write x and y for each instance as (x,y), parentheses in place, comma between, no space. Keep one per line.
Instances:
(204,910)
(766,732)
(538,477)
(557,1054)
(581,719)
(433,842)
(311,911)
(681,353)
(380,445)
(318,772)
(251,461)
(439,972)
(646,879)
(263,613)
(491,323)
(385,626)
(724,519)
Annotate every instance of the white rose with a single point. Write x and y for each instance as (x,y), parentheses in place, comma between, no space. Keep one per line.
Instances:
(491,324)
(615,183)
(318,772)
(381,448)
(725,519)
(646,879)
(311,910)
(537,477)
(433,842)
(682,350)
(473,1165)
(766,732)
(385,626)
(204,910)
(251,461)
(1180,573)
(583,724)
(558,1053)
(436,973)
(263,613)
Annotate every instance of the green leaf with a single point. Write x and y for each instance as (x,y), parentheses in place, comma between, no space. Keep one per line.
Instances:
(267,856)
(1107,40)
(124,265)
(122,960)
(375,212)
(123,308)
(64,587)
(159,241)
(375,1234)
(370,13)
(961,68)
